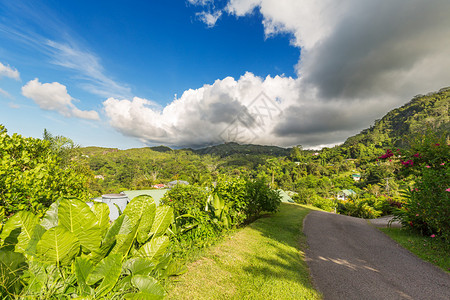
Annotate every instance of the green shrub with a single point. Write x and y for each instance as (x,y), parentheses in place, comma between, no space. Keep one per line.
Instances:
(33,176)
(261,198)
(358,208)
(74,251)
(427,200)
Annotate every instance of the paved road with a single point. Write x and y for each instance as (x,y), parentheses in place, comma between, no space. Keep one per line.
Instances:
(350,259)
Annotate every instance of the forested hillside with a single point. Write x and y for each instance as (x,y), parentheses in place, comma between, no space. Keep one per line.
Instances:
(423,112)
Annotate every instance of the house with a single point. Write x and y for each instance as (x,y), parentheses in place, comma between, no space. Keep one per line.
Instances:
(158,186)
(285,196)
(345,194)
(356,177)
(175,182)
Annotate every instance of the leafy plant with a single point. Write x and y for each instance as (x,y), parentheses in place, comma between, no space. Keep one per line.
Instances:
(73,251)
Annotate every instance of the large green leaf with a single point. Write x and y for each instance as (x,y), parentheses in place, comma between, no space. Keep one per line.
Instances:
(57,245)
(27,222)
(124,242)
(148,286)
(35,238)
(154,249)
(108,270)
(77,217)
(50,218)
(12,265)
(138,265)
(163,218)
(83,267)
(101,211)
(141,210)
(121,225)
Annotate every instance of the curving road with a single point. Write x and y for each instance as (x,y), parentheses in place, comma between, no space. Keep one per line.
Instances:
(350,259)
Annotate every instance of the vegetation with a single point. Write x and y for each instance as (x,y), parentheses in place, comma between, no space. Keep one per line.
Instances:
(34,173)
(73,251)
(398,166)
(262,261)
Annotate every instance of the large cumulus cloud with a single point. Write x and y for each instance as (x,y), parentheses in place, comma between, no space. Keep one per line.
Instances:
(358,60)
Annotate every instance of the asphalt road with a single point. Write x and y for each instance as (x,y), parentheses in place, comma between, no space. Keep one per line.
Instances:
(350,259)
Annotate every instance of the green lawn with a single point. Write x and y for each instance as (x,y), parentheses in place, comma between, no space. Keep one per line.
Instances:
(427,248)
(262,261)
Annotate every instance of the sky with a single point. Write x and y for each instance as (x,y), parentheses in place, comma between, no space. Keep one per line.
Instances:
(192,73)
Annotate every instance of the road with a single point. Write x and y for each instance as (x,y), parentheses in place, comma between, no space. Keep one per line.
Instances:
(350,259)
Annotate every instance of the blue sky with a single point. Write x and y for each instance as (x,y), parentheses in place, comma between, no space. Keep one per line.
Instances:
(195,72)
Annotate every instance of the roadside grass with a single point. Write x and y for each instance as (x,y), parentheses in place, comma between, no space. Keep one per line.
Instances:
(264,260)
(427,248)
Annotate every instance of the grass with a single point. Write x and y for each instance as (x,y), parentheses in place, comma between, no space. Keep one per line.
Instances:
(430,249)
(265,260)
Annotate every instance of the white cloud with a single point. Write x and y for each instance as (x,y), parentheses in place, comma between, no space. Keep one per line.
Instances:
(201,2)
(248,110)
(5,93)
(208,18)
(54,96)
(359,59)
(37,27)
(8,71)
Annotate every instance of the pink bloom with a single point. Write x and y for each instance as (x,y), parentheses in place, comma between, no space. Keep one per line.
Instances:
(442,164)
(432,235)
(427,167)
(417,154)
(417,215)
(448,190)
(416,189)
(437,144)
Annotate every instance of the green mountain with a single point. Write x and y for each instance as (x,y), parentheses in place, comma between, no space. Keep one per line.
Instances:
(228,149)
(423,112)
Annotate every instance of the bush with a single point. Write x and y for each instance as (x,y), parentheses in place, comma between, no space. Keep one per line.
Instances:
(261,198)
(358,208)
(427,200)
(33,176)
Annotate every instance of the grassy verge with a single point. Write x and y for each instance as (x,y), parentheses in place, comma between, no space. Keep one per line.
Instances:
(429,249)
(262,261)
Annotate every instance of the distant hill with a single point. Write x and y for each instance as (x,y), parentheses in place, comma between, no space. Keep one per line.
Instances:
(419,114)
(161,149)
(232,148)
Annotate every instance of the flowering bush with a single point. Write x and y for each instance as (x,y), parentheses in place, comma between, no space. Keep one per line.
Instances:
(427,199)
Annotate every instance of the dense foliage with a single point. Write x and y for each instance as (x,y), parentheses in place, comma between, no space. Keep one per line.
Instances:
(203,214)
(74,251)
(33,174)
(425,166)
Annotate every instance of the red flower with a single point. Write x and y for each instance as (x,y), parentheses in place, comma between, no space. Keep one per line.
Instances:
(416,155)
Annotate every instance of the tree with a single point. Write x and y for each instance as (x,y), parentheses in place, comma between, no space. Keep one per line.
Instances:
(32,175)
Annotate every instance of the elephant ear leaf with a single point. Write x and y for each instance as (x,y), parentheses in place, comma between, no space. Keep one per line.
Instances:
(154,249)
(149,288)
(108,270)
(83,267)
(57,246)
(22,225)
(12,266)
(141,211)
(77,217)
(50,218)
(163,218)
(101,211)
